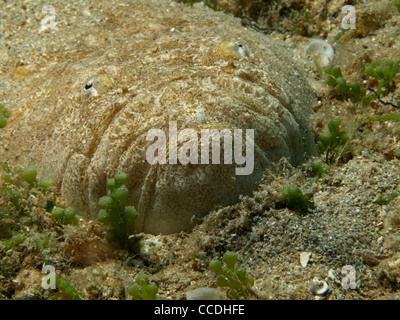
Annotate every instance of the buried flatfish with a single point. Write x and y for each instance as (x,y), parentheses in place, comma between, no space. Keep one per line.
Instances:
(109,97)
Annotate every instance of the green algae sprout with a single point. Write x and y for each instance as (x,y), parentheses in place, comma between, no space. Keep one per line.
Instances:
(113,213)
(4,115)
(143,290)
(384,72)
(232,277)
(65,216)
(297,200)
(333,141)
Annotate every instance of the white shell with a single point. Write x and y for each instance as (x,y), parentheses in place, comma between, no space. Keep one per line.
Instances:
(318,287)
(205,294)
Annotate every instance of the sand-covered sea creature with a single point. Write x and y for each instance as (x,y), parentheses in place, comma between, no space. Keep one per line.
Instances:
(84,111)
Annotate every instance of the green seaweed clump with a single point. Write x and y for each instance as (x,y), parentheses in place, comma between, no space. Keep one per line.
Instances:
(233,277)
(70,291)
(319,168)
(339,35)
(28,175)
(397,5)
(7,269)
(296,200)
(334,77)
(143,290)
(384,200)
(112,213)
(331,141)
(65,216)
(22,187)
(10,243)
(384,72)
(299,21)
(63,284)
(4,115)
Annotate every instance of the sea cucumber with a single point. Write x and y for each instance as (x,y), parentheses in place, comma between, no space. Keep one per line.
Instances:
(82,113)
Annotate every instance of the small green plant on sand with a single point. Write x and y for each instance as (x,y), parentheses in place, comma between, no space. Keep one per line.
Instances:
(299,21)
(232,277)
(319,168)
(22,219)
(143,290)
(20,185)
(62,283)
(69,290)
(10,243)
(297,200)
(113,213)
(16,175)
(339,35)
(334,77)
(4,115)
(383,200)
(384,72)
(65,216)
(333,142)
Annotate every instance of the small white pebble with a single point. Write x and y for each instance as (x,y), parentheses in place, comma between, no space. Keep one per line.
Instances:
(331,275)
(304,258)
(205,294)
